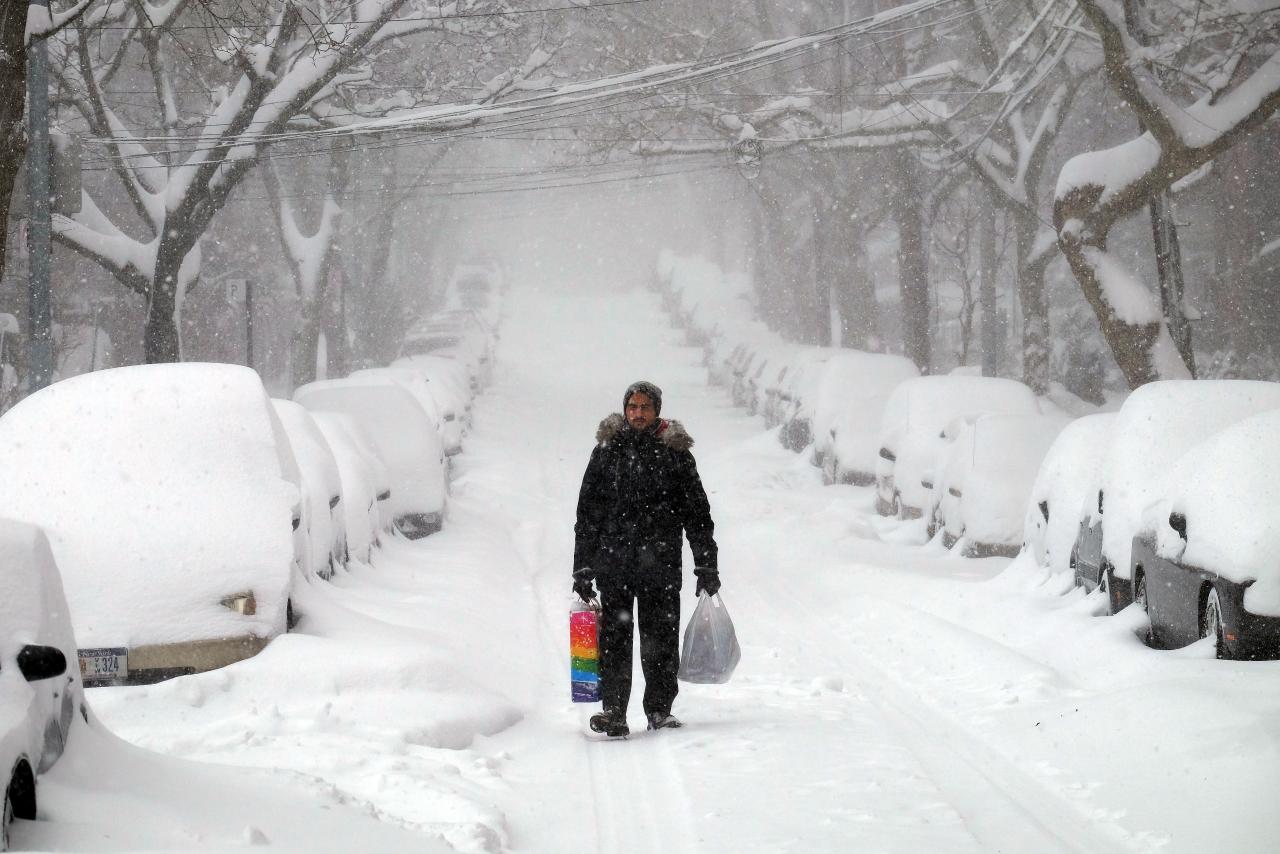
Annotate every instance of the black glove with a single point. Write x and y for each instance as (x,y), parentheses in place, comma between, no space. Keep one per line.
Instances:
(708,581)
(582,584)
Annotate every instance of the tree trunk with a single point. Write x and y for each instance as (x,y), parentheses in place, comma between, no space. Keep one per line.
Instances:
(1035,306)
(13,99)
(987,283)
(913,262)
(1164,234)
(160,341)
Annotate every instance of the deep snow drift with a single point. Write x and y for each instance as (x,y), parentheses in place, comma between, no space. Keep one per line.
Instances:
(891,697)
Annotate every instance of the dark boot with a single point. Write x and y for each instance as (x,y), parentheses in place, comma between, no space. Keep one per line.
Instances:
(663,720)
(612,724)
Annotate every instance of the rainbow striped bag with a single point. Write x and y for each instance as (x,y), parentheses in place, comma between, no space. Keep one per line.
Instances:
(584,654)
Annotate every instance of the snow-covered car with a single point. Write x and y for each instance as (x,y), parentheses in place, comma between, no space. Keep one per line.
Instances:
(984,477)
(403,437)
(366,486)
(323,520)
(798,394)
(1157,424)
(40,689)
(438,399)
(1065,485)
(450,388)
(1206,560)
(849,405)
(170,496)
(911,432)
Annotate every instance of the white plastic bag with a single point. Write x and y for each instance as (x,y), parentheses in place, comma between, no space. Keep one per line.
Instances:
(711,650)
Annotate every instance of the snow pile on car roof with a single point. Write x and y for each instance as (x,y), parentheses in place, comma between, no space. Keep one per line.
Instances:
(1228,490)
(164,489)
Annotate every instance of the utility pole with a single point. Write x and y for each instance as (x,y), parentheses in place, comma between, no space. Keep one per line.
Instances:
(248,322)
(39,234)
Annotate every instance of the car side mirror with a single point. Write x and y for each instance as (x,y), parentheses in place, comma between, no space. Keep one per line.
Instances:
(38,662)
(1178,522)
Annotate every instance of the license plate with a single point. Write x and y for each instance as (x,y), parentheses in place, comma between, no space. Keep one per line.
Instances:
(108,664)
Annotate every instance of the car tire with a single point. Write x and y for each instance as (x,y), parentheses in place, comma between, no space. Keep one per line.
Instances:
(1211,623)
(1140,590)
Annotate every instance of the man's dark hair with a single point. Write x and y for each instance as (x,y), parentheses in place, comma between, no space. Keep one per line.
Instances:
(647,388)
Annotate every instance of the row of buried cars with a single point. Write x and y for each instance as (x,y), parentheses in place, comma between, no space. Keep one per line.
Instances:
(157,520)
(1171,503)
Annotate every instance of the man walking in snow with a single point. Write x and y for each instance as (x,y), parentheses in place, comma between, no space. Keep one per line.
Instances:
(640,491)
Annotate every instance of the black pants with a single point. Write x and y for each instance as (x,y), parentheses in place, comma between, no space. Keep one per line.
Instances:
(659,618)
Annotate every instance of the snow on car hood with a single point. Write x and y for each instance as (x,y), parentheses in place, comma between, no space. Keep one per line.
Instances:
(163,489)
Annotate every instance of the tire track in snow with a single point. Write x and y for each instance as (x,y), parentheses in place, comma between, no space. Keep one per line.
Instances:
(1004,807)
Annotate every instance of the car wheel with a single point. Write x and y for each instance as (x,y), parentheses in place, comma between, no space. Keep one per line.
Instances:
(1211,623)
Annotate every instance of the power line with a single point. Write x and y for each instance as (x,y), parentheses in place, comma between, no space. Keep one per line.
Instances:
(577,7)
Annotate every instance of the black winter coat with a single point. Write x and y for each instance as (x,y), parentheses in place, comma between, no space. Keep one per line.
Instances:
(641,490)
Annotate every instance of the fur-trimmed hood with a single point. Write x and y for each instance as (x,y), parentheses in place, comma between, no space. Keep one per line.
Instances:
(670,431)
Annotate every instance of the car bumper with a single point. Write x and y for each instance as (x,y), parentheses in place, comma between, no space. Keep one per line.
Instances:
(148,664)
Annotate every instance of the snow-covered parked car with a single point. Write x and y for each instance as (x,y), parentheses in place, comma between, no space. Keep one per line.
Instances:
(366,486)
(438,399)
(170,496)
(403,437)
(1157,424)
(323,520)
(984,477)
(799,394)
(1064,487)
(449,388)
(849,405)
(911,432)
(41,694)
(1206,560)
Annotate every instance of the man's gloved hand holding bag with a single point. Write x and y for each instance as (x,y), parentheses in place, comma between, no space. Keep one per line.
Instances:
(711,651)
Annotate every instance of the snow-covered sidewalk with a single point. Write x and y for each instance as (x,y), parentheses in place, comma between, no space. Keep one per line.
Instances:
(890,698)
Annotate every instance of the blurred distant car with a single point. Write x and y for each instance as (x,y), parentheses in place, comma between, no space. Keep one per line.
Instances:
(323,521)
(450,389)
(983,480)
(850,401)
(1157,424)
(1065,485)
(170,496)
(402,436)
(40,695)
(911,432)
(366,486)
(1206,560)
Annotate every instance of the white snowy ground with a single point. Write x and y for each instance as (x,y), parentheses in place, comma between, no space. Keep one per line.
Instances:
(891,698)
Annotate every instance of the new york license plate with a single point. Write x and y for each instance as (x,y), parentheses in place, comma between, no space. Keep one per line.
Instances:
(105,664)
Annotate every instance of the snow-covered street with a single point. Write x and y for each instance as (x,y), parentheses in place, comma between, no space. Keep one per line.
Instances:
(892,697)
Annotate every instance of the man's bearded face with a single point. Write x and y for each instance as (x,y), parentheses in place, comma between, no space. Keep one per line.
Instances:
(641,412)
